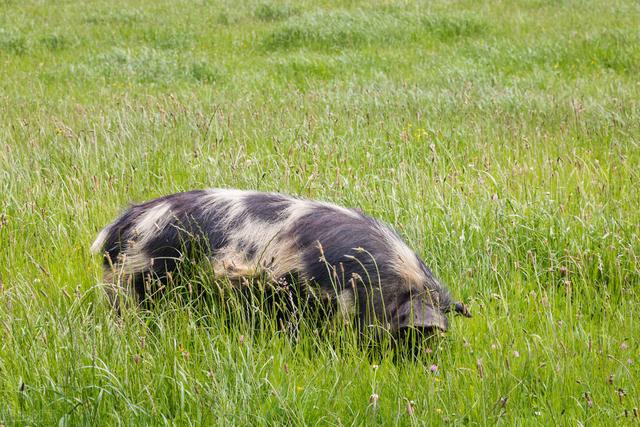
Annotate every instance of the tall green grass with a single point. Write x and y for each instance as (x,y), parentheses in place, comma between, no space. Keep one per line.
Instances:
(501,139)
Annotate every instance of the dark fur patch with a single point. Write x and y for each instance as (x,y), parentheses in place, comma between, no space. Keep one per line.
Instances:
(249,249)
(251,252)
(193,230)
(266,207)
(340,236)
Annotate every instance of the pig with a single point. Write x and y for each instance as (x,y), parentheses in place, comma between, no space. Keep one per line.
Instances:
(340,255)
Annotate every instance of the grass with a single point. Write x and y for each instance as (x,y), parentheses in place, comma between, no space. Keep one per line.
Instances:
(502,140)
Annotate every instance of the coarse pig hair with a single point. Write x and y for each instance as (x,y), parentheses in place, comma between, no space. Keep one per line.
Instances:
(346,257)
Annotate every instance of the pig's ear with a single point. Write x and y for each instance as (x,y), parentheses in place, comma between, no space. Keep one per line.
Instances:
(418,314)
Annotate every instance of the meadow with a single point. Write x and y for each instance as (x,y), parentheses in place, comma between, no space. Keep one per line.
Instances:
(502,139)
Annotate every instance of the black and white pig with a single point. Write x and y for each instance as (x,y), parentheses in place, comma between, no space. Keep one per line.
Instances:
(348,258)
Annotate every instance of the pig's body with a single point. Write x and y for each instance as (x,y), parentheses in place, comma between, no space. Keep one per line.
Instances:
(344,256)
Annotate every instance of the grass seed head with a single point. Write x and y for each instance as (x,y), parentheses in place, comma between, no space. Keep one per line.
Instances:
(373,400)
(411,407)
(480,367)
(503,401)
(587,397)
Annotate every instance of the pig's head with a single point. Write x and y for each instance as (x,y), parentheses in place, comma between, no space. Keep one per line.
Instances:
(425,307)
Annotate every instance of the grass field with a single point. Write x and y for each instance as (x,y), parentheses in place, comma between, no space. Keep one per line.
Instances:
(501,138)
